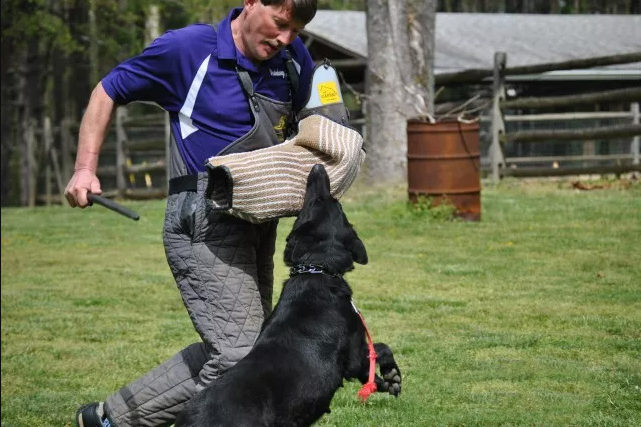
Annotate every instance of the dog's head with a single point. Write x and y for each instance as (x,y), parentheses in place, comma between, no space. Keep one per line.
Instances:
(321,234)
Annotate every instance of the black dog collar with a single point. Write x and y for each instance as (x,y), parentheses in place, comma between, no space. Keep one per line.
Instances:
(311,269)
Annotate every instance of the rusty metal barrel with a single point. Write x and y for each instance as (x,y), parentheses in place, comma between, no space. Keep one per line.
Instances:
(444,163)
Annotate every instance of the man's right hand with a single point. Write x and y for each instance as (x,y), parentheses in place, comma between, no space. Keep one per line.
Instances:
(92,132)
(82,182)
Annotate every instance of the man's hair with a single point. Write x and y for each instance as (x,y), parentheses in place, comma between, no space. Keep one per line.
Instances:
(302,10)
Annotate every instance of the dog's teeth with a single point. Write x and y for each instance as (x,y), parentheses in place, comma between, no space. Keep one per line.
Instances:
(397,379)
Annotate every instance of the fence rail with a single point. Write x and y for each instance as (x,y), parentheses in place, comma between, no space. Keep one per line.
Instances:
(627,94)
(476,75)
(569,116)
(606,132)
(570,170)
(575,158)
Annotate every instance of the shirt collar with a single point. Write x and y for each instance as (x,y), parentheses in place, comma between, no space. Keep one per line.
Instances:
(227,49)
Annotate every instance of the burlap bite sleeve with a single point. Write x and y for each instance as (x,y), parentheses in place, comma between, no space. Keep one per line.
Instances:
(270,183)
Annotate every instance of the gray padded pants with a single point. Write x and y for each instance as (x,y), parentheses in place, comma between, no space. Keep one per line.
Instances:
(223,267)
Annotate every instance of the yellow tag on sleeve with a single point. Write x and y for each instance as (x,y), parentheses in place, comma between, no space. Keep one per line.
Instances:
(328,93)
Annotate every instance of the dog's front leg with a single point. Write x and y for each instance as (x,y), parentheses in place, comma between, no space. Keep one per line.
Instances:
(391,380)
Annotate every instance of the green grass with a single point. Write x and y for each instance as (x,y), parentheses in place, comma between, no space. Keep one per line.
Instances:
(530,317)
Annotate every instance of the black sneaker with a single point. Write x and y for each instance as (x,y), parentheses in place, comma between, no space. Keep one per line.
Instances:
(91,415)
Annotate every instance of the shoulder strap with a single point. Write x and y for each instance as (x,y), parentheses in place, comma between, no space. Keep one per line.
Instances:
(248,87)
(291,72)
(246,81)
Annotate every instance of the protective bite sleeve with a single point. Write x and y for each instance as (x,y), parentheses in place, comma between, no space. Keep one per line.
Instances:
(270,183)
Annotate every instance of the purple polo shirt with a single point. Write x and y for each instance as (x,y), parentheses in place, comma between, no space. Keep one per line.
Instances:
(190,73)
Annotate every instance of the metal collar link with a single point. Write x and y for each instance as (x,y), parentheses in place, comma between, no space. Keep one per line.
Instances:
(311,269)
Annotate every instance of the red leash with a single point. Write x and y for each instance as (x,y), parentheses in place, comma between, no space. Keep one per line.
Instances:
(370,386)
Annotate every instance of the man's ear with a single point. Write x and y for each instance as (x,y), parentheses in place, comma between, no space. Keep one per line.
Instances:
(249,4)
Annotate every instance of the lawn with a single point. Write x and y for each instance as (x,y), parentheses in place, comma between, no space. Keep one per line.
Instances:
(530,317)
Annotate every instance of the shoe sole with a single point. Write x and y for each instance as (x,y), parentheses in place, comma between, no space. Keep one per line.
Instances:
(79,420)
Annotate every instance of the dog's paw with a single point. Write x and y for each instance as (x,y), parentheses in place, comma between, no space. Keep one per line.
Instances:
(391,381)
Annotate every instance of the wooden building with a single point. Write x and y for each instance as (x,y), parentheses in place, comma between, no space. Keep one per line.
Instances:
(469,41)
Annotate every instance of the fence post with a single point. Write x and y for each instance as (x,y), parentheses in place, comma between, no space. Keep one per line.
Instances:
(48,140)
(121,142)
(51,159)
(634,146)
(28,164)
(498,127)
(66,143)
(56,169)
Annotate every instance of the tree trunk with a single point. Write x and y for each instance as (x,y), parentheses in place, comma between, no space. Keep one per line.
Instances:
(32,71)
(24,121)
(28,184)
(93,45)
(80,78)
(399,79)
(152,24)
(7,117)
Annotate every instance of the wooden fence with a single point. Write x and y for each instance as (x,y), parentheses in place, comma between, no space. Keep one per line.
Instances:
(133,161)
(134,164)
(561,165)
(56,159)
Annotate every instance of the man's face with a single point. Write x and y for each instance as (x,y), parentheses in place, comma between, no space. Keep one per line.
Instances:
(267,29)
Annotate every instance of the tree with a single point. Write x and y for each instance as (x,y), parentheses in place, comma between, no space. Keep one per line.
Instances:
(53,53)
(30,33)
(399,81)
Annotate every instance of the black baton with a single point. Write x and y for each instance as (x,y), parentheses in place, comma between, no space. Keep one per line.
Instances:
(110,204)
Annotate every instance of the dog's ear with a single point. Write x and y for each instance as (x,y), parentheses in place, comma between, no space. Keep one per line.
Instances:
(357,248)
(317,184)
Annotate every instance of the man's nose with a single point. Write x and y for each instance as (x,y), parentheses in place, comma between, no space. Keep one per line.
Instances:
(286,37)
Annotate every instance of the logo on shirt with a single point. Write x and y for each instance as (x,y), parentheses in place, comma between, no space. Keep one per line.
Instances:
(277,73)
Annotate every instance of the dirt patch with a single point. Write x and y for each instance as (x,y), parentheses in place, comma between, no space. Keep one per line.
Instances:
(628,181)
(617,183)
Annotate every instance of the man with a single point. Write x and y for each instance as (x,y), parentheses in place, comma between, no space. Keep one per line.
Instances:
(228,88)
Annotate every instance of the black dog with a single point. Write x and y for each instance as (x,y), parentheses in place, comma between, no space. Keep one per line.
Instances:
(313,339)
